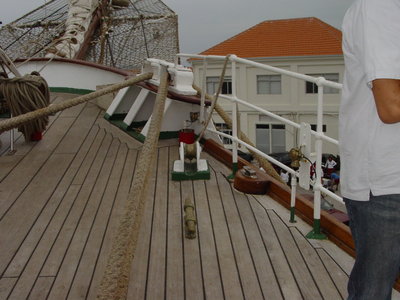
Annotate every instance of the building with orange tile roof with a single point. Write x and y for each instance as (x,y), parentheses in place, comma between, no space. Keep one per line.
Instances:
(304,45)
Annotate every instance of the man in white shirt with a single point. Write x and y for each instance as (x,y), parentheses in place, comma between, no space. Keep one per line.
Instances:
(369,130)
(330,166)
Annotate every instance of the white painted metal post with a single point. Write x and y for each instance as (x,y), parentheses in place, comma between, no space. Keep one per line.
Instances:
(204,91)
(234,122)
(11,139)
(316,232)
(293,184)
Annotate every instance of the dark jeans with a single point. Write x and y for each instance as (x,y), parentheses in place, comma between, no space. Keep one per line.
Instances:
(375,226)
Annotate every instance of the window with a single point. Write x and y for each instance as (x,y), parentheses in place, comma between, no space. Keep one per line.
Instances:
(268,84)
(225,129)
(271,138)
(213,82)
(312,88)
(314,127)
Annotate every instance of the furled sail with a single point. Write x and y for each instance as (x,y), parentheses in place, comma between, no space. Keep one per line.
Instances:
(79,18)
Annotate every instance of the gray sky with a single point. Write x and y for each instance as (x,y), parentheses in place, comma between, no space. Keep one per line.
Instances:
(205,23)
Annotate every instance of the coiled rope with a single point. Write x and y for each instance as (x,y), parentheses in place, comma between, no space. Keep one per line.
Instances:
(114,284)
(54,108)
(25,94)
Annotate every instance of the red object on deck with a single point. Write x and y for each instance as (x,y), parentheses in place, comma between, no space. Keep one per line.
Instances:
(36,136)
(186,136)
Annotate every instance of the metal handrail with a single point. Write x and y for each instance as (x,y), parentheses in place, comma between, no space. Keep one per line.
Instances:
(321,82)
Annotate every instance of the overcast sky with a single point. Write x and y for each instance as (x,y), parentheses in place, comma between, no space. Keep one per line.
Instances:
(205,23)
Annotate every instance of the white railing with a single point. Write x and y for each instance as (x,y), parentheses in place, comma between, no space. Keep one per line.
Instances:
(320,137)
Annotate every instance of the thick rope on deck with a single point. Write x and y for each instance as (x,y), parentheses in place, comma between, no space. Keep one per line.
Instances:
(114,284)
(264,163)
(24,94)
(54,108)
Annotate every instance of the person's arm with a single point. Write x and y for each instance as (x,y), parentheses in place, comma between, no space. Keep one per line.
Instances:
(387,99)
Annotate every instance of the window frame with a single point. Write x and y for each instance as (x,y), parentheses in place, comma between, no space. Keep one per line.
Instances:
(270,136)
(312,88)
(269,81)
(214,80)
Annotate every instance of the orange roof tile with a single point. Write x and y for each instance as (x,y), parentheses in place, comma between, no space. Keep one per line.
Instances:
(291,37)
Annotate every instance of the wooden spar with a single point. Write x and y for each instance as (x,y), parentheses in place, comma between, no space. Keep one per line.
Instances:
(96,21)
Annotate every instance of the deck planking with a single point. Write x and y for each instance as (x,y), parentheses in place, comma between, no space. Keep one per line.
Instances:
(59,221)
(174,287)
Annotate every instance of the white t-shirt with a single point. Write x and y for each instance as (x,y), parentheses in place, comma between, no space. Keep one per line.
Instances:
(285,177)
(369,149)
(330,164)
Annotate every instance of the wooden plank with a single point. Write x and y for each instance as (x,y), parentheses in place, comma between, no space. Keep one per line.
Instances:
(89,159)
(192,260)
(8,162)
(46,216)
(64,237)
(175,278)
(262,262)
(84,273)
(296,262)
(17,222)
(117,132)
(41,289)
(32,268)
(339,277)
(14,184)
(28,279)
(74,111)
(286,280)
(138,275)
(6,285)
(209,258)
(156,272)
(321,277)
(70,263)
(247,273)
(229,272)
(79,130)
(117,210)
(343,259)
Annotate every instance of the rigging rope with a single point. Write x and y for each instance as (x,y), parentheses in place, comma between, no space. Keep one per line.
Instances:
(215,98)
(114,284)
(54,108)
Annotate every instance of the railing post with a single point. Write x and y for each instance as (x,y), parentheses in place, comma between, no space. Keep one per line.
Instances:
(293,183)
(316,232)
(234,121)
(203,88)
(11,139)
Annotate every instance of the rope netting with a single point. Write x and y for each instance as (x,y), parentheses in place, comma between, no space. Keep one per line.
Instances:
(125,37)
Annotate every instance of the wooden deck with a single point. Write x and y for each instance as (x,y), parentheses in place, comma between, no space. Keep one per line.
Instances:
(60,202)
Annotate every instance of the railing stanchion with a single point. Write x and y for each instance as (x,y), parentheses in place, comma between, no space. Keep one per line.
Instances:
(234,124)
(11,139)
(203,94)
(316,232)
(293,183)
